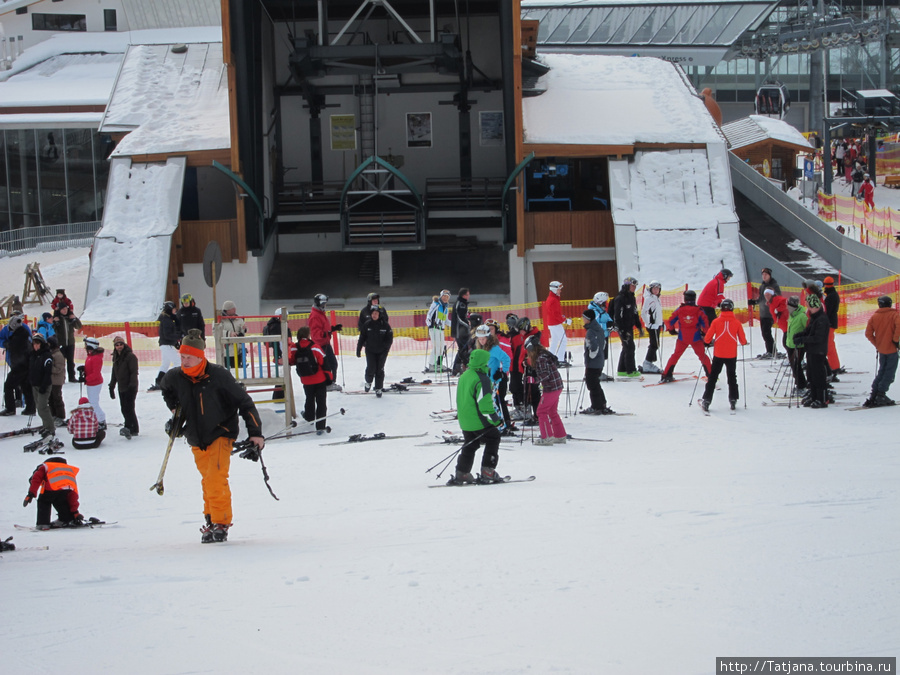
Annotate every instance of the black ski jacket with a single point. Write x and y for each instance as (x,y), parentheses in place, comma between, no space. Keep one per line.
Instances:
(832,303)
(815,336)
(169,330)
(376,336)
(191,317)
(210,405)
(124,369)
(459,319)
(41,369)
(625,313)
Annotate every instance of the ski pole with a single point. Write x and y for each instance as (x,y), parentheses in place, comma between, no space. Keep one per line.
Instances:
(287,432)
(449,387)
(249,451)
(568,395)
(174,432)
(580,398)
(696,381)
(453,454)
(744,369)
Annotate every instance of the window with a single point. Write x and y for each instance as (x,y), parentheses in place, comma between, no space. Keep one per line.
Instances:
(59,22)
(109,20)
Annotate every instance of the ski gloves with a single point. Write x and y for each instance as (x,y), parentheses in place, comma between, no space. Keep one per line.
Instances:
(112,390)
(28,499)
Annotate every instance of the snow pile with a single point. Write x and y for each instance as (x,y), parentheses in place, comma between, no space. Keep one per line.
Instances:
(677,214)
(174,103)
(615,100)
(71,43)
(130,260)
(77,79)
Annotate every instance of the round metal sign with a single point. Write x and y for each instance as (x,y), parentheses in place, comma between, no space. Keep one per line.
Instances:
(212,257)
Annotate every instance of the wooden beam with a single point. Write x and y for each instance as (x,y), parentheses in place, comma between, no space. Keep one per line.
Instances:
(670,146)
(564,150)
(43,109)
(235,162)
(198,158)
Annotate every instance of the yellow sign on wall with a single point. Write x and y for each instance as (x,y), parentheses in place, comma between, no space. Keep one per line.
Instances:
(343,132)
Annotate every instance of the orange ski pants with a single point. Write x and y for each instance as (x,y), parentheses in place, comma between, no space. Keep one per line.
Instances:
(833,361)
(213,465)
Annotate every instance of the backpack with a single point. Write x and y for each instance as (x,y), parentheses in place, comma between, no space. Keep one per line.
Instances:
(305,361)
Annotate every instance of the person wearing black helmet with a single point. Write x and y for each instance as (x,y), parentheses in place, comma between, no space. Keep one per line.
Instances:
(189,316)
(526,395)
(713,293)
(320,332)
(372,300)
(815,338)
(169,340)
(726,333)
(40,375)
(626,317)
(766,320)
(460,328)
(689,323)
(883,331)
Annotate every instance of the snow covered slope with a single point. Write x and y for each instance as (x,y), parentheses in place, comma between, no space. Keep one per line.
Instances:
(674,216)
(130,259)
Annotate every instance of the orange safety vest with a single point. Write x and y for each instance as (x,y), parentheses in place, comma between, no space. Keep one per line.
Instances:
(60,476)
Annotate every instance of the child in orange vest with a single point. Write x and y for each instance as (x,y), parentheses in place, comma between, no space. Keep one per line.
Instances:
(55,478)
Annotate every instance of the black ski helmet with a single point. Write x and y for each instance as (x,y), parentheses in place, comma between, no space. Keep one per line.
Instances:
(885,301)
(727,273)
(727,305)
(371,296)
(512,322)
(525,324)
(475,320)
(319,300)
(168,306)
(690,297)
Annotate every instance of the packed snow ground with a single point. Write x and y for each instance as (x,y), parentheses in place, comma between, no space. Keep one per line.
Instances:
(683,539)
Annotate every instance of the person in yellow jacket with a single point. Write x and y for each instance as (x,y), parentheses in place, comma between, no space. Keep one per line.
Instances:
(210,400)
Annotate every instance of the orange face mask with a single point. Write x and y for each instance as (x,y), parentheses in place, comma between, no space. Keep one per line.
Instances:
(195,371)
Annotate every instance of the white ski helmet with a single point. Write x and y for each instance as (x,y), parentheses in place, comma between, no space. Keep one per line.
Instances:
(555,285)
(601,298)
(654,284)
(91,343)
(483,331)
(320,299)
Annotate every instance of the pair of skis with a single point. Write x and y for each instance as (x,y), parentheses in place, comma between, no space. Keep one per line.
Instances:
(362,438)
(506,479)
(89,524)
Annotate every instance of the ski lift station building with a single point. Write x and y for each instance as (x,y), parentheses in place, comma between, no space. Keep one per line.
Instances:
(440,142)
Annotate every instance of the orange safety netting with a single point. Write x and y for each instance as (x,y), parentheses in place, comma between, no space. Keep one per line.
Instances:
(858,302)
(873,227)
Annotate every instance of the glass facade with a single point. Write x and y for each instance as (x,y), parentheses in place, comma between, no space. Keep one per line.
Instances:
(52,176)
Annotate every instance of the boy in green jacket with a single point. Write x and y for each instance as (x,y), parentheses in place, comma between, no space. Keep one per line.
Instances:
(478,420)
(796,323)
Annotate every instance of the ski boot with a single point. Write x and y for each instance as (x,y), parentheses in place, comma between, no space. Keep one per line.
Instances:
(704,404)
(206,535)
(488,476)
(378,393)
(668,376)
(881,399)
(606,410)
(368,387)
(649,367)
(591,411)
(126,432)
(7,545)
(219,532)
(461,478)
(733,403)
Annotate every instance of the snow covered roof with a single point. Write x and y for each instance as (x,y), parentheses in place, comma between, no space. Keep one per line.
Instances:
(170,102)
(757,128)
(64,80)
(615,100)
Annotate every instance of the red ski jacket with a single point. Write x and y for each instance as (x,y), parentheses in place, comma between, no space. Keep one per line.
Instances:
(553,315)
(728,332)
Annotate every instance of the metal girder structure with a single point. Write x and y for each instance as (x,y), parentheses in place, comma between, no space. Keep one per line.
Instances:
(811,34)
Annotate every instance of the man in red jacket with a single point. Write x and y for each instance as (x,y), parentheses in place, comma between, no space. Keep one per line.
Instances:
(713,293)
(320,330)
(555,321)
(727,333)
(689,323)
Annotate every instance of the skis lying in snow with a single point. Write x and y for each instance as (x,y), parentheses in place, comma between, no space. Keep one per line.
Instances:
(393,389)
(678,379)
(88,524)
(506,479)
(614,414)
(45,446)
(590,440)
(362,438)
(629,379)
(19,432)
(865,407)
